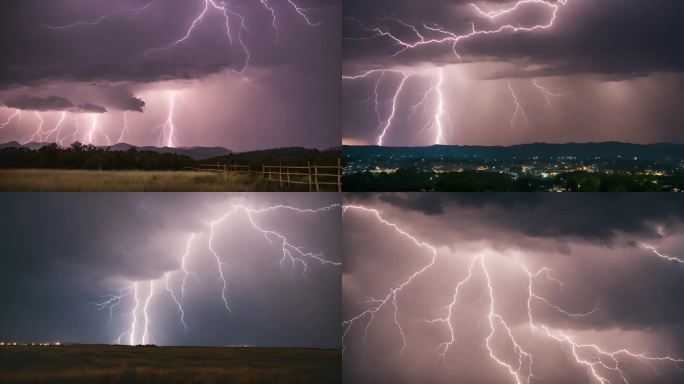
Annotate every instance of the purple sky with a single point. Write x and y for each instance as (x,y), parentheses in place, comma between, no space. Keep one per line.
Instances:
(603,286)
(596,71)
(273,81)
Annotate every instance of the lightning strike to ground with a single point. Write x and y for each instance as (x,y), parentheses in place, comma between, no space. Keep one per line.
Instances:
(406,37)
(141,300)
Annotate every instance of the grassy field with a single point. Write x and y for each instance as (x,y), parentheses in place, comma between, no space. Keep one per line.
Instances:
(168,365)
(39,180)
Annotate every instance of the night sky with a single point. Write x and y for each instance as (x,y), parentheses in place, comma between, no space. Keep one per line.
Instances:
(104,65)
(597,71)
(63,253)
(603,286)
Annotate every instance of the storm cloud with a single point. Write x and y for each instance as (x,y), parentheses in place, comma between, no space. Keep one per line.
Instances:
(598,71)
(130,55)
(66,252)
(615,291)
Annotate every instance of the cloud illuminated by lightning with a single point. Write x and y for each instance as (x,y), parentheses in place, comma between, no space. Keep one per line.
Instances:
(141,294)
(504,344)
(231,15)
(404,37)
(235,26)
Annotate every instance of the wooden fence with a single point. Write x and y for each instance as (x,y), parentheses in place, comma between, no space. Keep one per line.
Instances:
(315,176)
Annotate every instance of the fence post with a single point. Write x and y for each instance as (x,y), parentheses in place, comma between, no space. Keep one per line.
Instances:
(287,169)
(308,164)
(280,175)
(316,176)
(263,170)
(339,175)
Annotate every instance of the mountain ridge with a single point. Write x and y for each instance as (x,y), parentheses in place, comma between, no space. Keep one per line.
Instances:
(196,153)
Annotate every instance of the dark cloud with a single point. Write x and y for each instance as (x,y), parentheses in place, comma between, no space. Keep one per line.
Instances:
(52,103)
(128,40)
(600,217)
(34,103)
(617,38)
(423,202)
(88,107)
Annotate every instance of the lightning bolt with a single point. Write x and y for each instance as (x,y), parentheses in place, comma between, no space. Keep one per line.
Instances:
(95,127)
(519,110)
(39,131)
(85,23)
(228,15)
(124,129)
(303,12)
(134,313)
(141,301)
(416,36)
(504,346)
(548,94)
(16,113)
(57,130)
(112,301)
(146,322)
(167,129)
(662,256)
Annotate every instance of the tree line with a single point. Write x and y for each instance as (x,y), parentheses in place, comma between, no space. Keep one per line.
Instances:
(89,157)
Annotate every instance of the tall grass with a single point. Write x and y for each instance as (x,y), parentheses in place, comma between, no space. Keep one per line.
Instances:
(170,365)
(39,180)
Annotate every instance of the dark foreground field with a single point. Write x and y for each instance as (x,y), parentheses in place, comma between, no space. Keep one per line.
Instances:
(53,180)
(151,365)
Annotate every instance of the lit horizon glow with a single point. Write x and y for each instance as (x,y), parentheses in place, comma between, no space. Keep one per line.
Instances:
(473,279)
(214,56)
(195,269)
(510,72)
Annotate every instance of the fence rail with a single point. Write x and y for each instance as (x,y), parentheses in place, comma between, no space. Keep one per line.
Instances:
(315,176)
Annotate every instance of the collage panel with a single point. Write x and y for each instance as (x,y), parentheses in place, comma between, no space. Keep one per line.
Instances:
(304,191)
(172,95)
(512,288)
(170,288)
(512,96)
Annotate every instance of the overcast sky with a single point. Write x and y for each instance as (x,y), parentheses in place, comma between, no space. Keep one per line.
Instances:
(61,253)
(272,82)
(593,245)
(600,70)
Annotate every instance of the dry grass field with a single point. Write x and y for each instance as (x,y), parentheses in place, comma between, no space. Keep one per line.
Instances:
(39,180)
(168,365)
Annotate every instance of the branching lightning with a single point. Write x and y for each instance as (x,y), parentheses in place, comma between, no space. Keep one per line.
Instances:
(167,129)
(231,15)
(519,110)
(504,343)
(661,255)
(7,122)
(85,23)
(406,37)
(548,94)
(141,295)
(124,129)
(234,24)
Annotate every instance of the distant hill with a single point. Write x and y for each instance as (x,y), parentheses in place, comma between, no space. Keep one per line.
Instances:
(196,153)
(290,156)
(577,150)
